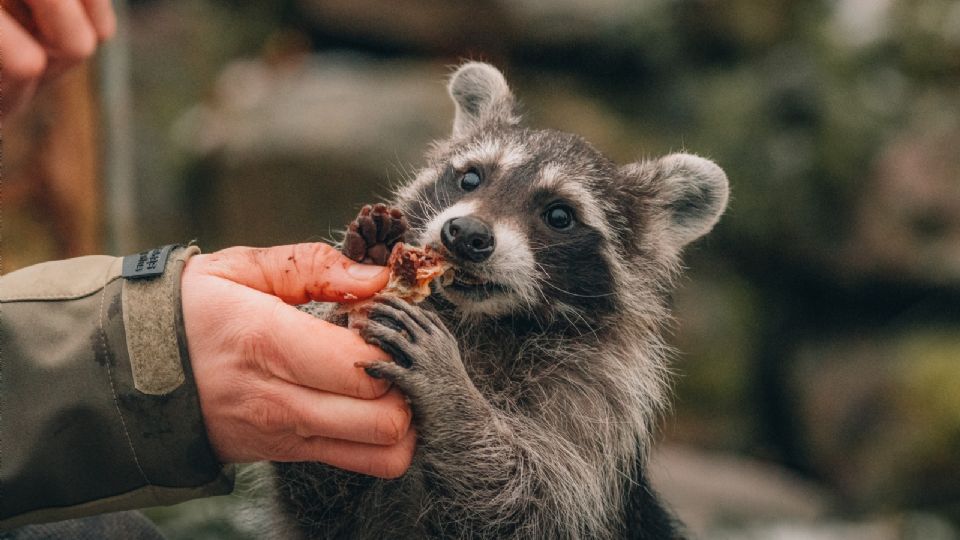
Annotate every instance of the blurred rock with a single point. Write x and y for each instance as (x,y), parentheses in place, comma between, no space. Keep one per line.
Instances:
(727,497)
(881,416)
(884,527)
(709,489)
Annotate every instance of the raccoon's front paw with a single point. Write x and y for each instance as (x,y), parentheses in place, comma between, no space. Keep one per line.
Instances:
(425,353)
(372,235)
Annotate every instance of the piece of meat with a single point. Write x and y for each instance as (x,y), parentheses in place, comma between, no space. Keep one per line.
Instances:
(412,269)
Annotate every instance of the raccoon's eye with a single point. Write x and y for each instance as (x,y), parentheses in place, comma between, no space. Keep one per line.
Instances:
(470,180)
(559,217)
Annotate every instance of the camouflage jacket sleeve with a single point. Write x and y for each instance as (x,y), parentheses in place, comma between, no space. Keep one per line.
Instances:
(98,407)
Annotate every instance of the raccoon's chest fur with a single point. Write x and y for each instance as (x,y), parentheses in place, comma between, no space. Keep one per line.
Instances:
(500,357)
(511,367)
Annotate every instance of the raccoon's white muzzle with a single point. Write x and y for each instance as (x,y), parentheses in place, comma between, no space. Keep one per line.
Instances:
(499,283)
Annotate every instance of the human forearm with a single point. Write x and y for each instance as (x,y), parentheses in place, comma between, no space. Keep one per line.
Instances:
(94,418)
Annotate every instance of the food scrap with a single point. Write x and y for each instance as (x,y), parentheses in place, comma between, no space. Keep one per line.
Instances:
(412,269)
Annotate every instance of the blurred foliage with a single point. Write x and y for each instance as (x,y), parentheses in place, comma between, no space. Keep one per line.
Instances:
(818,324)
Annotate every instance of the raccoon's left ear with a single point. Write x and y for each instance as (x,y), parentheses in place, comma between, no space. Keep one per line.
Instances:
(691,193)
(481,96)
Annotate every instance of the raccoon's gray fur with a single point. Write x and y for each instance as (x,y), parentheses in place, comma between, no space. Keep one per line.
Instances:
(536,379)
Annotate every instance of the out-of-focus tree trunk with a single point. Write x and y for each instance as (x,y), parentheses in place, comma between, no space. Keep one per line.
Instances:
(52,192)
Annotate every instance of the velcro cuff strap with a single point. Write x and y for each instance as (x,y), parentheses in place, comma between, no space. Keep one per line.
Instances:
(150,308)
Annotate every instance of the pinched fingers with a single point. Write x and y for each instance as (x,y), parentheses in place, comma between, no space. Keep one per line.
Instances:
(64,28)
(40,39)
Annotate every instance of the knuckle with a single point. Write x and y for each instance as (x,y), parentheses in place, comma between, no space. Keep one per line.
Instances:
(268,416)
(320,256)
(264,417)
(391,425)
(392,465)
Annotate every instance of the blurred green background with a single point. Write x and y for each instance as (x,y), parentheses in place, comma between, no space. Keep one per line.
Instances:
(818,384)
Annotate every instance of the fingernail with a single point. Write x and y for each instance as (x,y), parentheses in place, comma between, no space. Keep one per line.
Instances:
(365,271)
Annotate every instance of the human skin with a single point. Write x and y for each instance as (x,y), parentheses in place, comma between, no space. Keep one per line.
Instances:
(278,384)
(40,39)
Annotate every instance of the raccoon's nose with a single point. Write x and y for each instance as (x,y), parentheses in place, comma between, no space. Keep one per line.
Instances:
(468,238)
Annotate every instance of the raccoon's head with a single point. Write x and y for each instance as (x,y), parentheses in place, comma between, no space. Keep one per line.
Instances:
(538,221)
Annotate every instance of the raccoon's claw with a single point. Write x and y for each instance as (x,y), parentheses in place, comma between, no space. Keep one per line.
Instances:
(388,338)
(391,336)
(416,338)
(406,314)
(371,236)
(382,370)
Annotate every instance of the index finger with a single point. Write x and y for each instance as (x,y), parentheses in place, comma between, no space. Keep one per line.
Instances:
(312,352)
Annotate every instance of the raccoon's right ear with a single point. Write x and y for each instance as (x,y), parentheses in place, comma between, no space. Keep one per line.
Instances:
(481,96)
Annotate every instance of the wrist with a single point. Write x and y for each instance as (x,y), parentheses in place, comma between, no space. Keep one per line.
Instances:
(172,436)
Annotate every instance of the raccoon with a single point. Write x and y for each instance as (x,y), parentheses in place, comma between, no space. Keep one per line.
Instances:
(537,375)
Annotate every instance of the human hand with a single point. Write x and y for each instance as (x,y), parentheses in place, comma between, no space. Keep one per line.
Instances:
(279,384)
(40,39)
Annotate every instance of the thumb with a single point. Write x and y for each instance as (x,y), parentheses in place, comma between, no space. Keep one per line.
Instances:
(299,273)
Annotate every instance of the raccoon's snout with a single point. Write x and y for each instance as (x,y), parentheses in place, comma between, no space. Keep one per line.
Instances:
(468,238)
